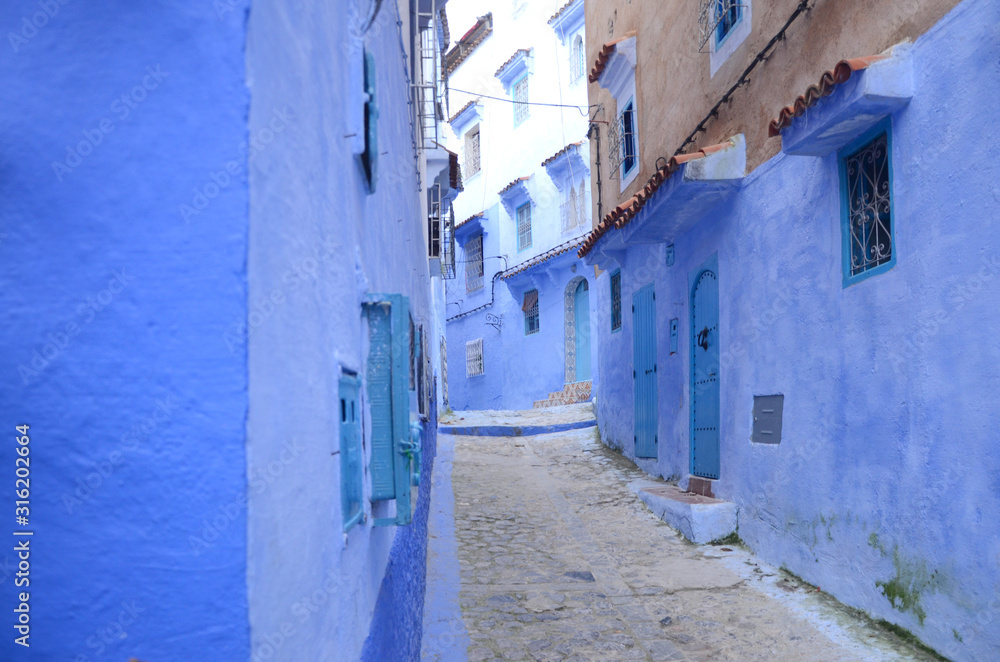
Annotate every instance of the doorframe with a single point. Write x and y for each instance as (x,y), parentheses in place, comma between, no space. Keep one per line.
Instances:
(711,263)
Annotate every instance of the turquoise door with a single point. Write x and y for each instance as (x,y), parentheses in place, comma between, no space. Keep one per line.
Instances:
(581,306)
(644,370)
(705,372)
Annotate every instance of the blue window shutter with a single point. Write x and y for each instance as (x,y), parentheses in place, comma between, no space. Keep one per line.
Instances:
(349,412)
(402,452)
(370,156)
(394,456)
(380,400)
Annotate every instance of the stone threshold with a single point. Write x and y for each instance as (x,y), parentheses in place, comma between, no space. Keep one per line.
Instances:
(700,519)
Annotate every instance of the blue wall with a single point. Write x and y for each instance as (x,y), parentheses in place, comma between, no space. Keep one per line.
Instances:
(887,480)
(114,310)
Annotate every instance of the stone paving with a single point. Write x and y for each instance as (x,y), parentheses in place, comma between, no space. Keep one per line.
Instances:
(559,560)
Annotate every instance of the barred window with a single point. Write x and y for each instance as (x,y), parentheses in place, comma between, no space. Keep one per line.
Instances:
(530,308)
(474,263)
(577,64)
(474,358)
(616,300)
(472,152)
(521,100)
(865,178)
(524,226)
(727,15)
(622,138)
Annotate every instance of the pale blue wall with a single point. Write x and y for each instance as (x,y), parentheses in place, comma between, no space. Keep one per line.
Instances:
(309,211)
(141,400)
(889,384)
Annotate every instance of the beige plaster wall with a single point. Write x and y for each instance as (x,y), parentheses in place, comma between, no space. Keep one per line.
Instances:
(674,88)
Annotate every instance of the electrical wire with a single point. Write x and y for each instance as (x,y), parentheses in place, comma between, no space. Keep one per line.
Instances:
(580,109)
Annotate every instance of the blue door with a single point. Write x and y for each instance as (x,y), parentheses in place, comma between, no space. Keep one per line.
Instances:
(581,306)
(644,372)
(705,372)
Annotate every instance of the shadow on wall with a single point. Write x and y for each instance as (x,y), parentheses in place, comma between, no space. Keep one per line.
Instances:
(397,624)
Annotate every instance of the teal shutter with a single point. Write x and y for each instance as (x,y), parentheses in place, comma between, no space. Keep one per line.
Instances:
(393,453)
(370,157)
(350,452)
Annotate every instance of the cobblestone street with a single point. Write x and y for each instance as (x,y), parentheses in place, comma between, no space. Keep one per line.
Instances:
(559,560)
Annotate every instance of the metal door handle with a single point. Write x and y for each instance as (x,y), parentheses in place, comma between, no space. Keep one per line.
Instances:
(703,339)
(649,371)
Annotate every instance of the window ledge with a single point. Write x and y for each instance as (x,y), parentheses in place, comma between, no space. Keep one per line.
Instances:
(854,107)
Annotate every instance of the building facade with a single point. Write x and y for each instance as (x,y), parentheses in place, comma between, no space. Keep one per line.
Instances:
(224,324)
(793,306)
(519,310)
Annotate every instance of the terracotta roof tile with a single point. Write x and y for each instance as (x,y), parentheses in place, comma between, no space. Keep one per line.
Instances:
(604,55)
(514,183)
(827,82)
(461,110)
(544,257)
(561,10)
(468,43)
(623,214)
(560,153)
(479,215)
(511,59)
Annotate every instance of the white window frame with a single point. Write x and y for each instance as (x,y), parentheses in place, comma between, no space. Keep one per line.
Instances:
(719,53)
(626,178)
(577,55)
(475,366)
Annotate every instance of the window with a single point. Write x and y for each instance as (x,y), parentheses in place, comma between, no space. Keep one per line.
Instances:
(472,152)
(434,222)
(520,100)
(577,64)
(727,15)
(866,185)
(623,141)
(524,226)
(474,358)
(616,300)
(350,452)
(474,263)
(530,308)
(369,158)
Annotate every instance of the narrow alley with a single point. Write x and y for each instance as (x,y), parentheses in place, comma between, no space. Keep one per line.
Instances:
(559,560)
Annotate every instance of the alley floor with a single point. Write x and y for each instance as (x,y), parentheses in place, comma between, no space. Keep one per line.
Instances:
(557,559)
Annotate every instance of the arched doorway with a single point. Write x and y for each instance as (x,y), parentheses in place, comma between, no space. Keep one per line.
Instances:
(577,297)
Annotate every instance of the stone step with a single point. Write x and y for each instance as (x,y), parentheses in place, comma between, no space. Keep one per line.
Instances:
(699,518)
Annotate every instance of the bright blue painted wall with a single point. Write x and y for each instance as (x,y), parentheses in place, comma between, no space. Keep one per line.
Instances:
(889,470)
(320,242)
(137,418)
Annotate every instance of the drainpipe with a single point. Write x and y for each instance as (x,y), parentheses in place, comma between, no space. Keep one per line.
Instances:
(594,133)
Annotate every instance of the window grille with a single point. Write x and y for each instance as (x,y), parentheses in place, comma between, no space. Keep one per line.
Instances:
(622,152)
(569,210)
(474,263)
(448,245)
(472,152)
(577,64)
(520,101)
(582,206)
(869,217)
(616,300)
(474,358)
(718,18)
(434,221)
(524,226)
(530,308)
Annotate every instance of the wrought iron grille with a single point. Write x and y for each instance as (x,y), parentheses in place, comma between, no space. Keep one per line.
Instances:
(434,221)
(868,205)
(426,95)
(472,153)
(622,142)
(520,100)
(474,263)
(531,312)
(717,17)
(577,65)
(616,301)
(568,211)
(524,226)
(474,358)
(448,245)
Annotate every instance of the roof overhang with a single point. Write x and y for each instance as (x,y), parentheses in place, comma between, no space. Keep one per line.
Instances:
(849,99)
(568,20)
(615,65)
(566,166)
(511,71)
(470,114)
(686,196)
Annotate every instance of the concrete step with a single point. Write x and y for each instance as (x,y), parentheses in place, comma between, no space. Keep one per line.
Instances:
(699,518)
